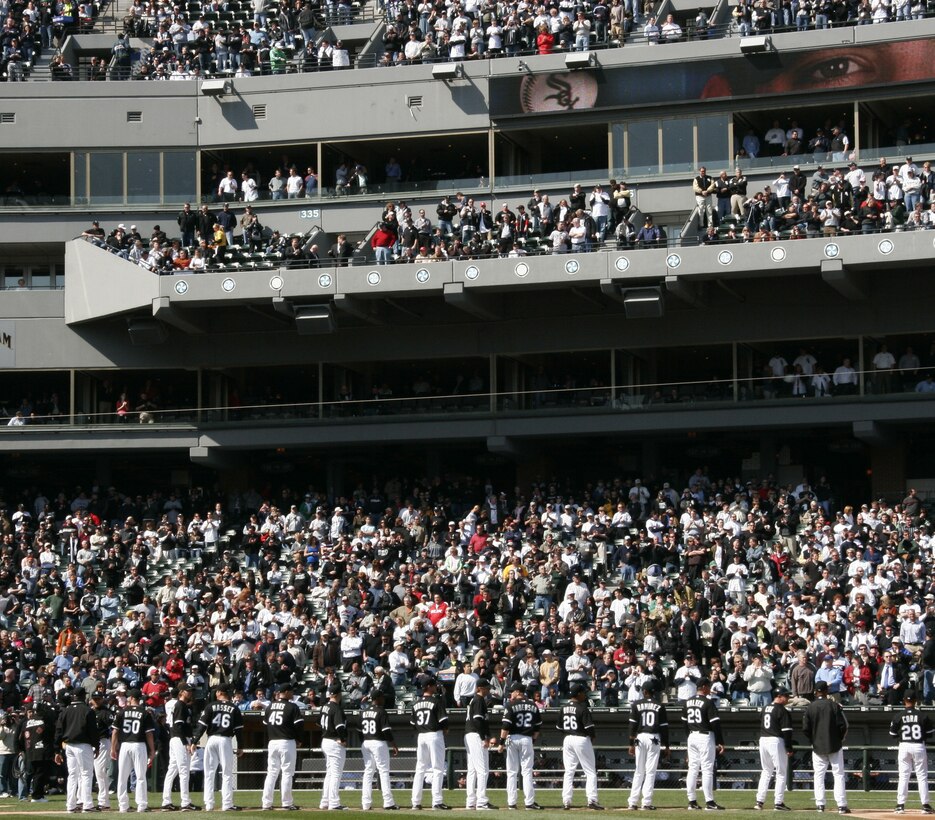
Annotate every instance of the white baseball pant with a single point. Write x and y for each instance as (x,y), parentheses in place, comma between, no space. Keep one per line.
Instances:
(219,751)
(913,757)
(335,753)
(102,773)
(478,770)
(578,751)
(701,755)
(280,757)
(520,757)
(179,765)
(647,750)
(430,760)
(376,755)
(820,765)
(80,762)
(773,761)
(132,757)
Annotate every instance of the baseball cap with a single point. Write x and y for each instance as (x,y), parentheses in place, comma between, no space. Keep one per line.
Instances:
(483,683)
(781,691)
(821,686)
(517,687)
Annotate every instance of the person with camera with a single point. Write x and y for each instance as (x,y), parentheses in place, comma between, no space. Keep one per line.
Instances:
(35,737)
(76,734)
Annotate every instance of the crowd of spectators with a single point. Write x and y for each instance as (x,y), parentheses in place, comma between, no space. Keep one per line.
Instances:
(208,239)
(31,27)
(611,584)
(246,37)
(837,198)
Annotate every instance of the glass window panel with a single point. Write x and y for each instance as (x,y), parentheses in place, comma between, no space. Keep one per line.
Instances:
(143,176)
(678,145)
(106,178)
(12,276)
(618,159)
(40,276)
(713,145)
(643,147)
(179,176)
(81,178)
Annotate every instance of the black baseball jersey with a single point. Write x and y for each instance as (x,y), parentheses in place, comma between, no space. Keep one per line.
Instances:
(220,719)
(577,720)
(283,720)
(701,716)
(181,722)
(476,718)
(825,726)
(374,725)
(912,727)
(105,720)
(429,715)
(776,721)
(36,736)
(522,717)
(333,722)
(649,717)
(132,724)
(76,724)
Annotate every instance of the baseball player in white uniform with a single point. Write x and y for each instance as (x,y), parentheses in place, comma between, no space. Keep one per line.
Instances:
(912,729)
(775,749)
(377,737)
(649,736)
(221,721)
(105,720)
(132,746)
(333,747)
(577,747)
(477,745)
(283,720)
(179,724)
(519,731)
(76,733)
(431,722)
(705,742)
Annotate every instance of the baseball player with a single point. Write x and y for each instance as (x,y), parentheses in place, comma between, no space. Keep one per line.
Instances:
(519,731)
(377,737)
(477,744)
(76,734)
(283,720)
(825,727)
(649,735)
(431,722)
(912,729)
(221,721)
(181,744)
(577,748)
(132,746)
(333,747)
(775,749)
(104,716)
(704,743)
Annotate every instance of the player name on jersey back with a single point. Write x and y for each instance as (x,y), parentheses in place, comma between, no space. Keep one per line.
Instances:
(522,717)
(648,717)
(428,715)
(283,720)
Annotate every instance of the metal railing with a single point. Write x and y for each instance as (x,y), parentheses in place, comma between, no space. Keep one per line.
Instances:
(658,397)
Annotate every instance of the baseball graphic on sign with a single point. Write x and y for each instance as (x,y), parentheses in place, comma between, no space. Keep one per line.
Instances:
(566,91)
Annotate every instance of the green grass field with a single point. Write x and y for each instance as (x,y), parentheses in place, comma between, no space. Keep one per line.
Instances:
(671,801)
